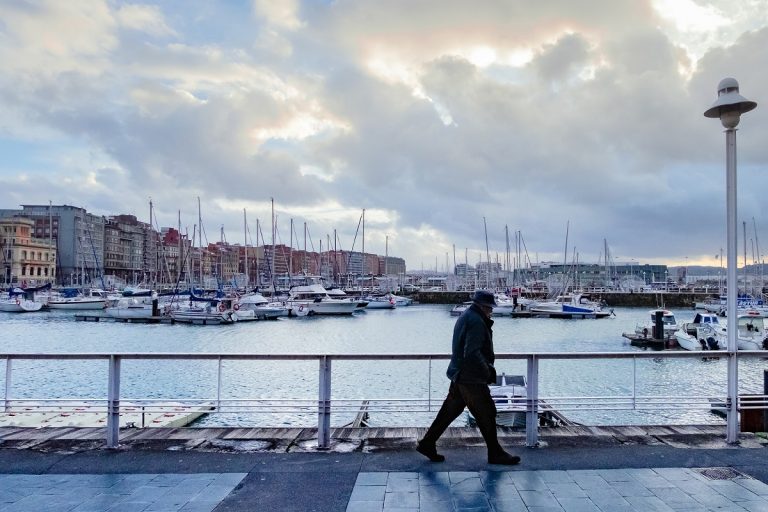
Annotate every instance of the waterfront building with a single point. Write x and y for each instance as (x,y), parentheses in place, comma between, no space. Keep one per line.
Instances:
(26,259)
(130,249)
(78,235)
(93,250)
(391,265)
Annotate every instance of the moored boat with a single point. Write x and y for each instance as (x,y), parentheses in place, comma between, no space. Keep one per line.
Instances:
(704,332)
(73,299)
(22,300)
(203,311)
(751,332)
(254,306)
(649,328)
(380,302)
(19,304)
(572,305)
(314,297)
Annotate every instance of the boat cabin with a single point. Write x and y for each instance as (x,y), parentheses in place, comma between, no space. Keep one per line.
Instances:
(706,318)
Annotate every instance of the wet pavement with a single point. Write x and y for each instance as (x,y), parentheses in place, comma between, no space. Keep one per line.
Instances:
(577,473)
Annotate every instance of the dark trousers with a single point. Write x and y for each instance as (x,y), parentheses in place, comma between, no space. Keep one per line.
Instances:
(477,398)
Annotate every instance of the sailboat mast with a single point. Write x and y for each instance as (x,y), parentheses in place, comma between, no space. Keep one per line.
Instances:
(744,272)
(256,253)
(487,256)
(304,256)
(50,235)
(363,265)
(272,259)
(759,257)
(245,244)
(290,249)
(181,253)
(150,234)
(386,255)
(200,236)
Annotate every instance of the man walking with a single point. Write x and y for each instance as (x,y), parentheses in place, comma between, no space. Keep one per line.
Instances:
(470,370)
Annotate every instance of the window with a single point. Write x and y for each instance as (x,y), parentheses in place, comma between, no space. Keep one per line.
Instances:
(39,271)
(23,271)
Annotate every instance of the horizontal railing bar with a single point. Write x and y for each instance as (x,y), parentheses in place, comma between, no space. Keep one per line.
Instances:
(376,357)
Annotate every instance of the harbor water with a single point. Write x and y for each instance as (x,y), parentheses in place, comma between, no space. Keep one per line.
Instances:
(416,329)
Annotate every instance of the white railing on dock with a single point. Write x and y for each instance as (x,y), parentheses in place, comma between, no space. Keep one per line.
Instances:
(325,405)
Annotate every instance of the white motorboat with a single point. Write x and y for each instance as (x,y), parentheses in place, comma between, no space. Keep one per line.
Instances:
(18,304)
(131,307)
(647,329)
(380,302)
(509,393)
(401,301)
(206,311)
(503,307)
(751,332)
(314,297)
(337,293)
(572,305)
(254,306)
(458,309)
(703,333)
(72,299)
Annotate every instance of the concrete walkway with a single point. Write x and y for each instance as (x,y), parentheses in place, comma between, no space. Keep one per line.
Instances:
(572,475)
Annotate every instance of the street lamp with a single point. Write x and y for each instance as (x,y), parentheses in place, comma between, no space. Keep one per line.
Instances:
(728,107)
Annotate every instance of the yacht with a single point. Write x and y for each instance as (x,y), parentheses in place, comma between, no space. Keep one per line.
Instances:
(313,299)
(254,306)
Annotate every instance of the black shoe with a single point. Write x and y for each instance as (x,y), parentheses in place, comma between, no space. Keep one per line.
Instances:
(504,458)
(429,452)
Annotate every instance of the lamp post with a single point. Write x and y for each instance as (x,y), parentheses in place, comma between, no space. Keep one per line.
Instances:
(728,108)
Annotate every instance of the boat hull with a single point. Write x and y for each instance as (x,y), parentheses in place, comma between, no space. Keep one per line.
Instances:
(20,306)
(142,311)
(340,307)
(77,305)
(203,317)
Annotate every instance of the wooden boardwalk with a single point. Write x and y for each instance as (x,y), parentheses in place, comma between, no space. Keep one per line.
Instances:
(393,437)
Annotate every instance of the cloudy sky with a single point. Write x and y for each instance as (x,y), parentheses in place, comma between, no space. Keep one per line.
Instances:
(431,115)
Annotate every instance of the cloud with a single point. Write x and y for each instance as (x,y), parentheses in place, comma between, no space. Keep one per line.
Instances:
(283,14)
(145,18)
(430,115)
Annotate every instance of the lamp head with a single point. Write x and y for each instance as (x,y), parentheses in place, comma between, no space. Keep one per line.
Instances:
(729,104)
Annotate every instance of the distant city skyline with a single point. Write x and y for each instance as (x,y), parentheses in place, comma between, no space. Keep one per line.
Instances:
(439,118)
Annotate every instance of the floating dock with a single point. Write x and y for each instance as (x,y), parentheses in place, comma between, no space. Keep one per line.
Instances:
(535,314)
(81,415)
(147,320)
(638,340)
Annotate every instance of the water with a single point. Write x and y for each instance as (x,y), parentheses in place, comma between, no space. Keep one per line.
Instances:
(415,329)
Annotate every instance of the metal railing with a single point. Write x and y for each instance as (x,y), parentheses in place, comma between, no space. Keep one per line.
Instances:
(325,405)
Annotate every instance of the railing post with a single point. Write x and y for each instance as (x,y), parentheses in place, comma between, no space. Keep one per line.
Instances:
(429,386)
(218,387)
(532,403)
(324,405)
(8,370)
(113,402)
(732,401)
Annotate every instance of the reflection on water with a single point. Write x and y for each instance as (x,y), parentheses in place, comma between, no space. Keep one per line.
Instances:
(415,329)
